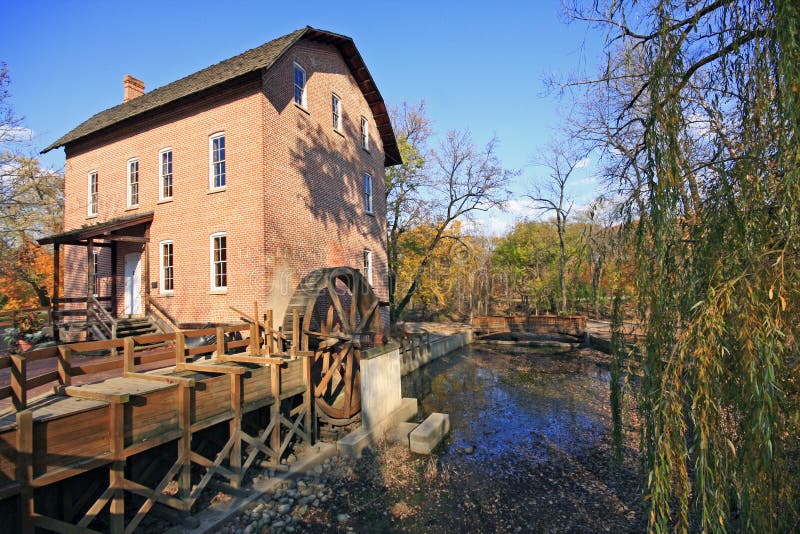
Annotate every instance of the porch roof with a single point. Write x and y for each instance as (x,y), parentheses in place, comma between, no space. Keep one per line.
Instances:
(112,230)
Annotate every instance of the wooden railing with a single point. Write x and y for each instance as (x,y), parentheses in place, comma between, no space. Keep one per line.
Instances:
(11,316)
(174,352)
(564,324)
(162,317)
(103,319)
(414,345)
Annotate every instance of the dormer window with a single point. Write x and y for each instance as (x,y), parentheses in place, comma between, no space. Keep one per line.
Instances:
(299,86)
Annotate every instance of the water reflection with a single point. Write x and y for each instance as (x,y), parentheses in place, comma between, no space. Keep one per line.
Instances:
(505,405)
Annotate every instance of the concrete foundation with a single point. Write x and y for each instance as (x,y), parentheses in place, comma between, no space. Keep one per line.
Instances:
(427,436)
(355,442)
(438,348)
(380,384)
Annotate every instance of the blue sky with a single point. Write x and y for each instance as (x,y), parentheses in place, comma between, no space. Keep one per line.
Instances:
(477,64)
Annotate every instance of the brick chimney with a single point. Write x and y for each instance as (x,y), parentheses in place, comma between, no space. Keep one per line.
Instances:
(133,87)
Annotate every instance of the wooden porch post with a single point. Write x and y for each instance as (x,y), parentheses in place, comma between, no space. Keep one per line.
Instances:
(89,275)
(147,270)
(56,283)
(114,272)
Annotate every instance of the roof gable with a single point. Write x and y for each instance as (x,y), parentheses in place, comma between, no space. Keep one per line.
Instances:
(255,59)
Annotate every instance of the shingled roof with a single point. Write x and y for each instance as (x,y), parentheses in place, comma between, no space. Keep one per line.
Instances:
(261,57)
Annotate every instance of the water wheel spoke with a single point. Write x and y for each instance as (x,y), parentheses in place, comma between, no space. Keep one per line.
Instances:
(354,303)
(348,383)
(337,305)
(367,316)
(326,377)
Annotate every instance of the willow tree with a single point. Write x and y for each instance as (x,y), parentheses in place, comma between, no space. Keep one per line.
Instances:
(699,106)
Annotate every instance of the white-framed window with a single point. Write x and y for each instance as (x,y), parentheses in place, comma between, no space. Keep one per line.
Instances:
(133,183)
(368,266)
(92,195)
(364,133)
(367,193)
(165,174)
(336,112)
(95,271)
(167,272)
(219,261)
(299,85)
(216,158)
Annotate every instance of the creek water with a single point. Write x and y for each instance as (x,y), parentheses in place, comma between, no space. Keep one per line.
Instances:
(510,405)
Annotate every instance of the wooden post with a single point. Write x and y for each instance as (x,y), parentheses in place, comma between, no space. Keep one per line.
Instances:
(56,284)
(258,327)
(116,473)
(307,399)
(19,375)
(295,332)
(147,270)
(185,442)
(275,411)
(64,365)
(220,342)
(180,349)
(89,276)
(128,355)
(269,329)
(235,428)
(254,339)
(114,271)
(25,470)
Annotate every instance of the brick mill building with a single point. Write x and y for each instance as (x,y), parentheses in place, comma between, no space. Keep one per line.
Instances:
(227,187)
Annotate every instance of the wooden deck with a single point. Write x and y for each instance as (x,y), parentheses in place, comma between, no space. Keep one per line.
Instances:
(101,426)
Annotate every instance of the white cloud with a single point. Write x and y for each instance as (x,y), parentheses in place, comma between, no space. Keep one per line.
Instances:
(15,134)
(585,162)
(520,206)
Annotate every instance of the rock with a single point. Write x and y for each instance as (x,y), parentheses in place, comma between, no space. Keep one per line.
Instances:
(291,459)
(318,469)
(278,524)
(342,518)
(469,449)
(315,503)
(284,509)
(302,510)
(248,529)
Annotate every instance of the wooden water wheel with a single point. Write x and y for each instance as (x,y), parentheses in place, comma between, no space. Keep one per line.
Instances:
(340,318)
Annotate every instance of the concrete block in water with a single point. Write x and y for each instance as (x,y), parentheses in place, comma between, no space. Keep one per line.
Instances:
(427,436)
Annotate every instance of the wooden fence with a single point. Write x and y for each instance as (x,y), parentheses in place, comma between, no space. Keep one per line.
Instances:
(540,324)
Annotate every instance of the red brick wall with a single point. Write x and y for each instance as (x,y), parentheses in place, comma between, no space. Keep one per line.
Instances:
(293,201)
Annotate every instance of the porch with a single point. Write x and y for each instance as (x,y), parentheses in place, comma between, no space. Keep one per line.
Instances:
(112,305)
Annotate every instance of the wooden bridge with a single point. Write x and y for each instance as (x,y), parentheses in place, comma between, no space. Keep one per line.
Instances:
(574,325)
(219,398)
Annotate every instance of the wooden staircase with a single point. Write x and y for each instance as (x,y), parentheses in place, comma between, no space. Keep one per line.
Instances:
(138,326)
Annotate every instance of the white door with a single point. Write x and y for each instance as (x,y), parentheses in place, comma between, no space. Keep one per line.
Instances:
(133,284)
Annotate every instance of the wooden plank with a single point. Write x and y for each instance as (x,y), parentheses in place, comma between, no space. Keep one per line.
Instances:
(238,343)
(168,379)
(260,360)
(40,380)
(117,471)
(40,354)
(64,365)
(154,356)
(200,332)
(202,349)
(98,367)
(24,472)
(105,344)
(128,364)
(154,338)
(82,392)
(213,368)
(19,391)
(235,426)
(56,525)
(180,348)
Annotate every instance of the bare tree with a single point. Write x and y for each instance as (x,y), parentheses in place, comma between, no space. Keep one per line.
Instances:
(550,198)
(405,205)
(462,179)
